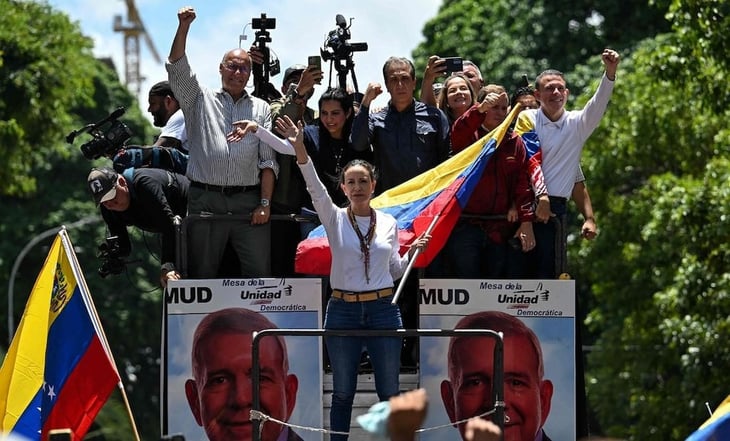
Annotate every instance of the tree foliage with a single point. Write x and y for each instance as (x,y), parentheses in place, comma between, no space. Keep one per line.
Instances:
(655,282)
(702,28)
(508,38)
(44,72)
(50,84)
(657,274)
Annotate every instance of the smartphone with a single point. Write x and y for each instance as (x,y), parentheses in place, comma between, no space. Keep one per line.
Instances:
(454,64)
(315,61)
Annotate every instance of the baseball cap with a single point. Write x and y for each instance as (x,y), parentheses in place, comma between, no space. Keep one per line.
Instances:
(291,70)
(102,184)
(161,89)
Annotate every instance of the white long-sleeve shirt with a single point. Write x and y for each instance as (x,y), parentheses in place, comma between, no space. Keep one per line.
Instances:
(347,272)
(562,141)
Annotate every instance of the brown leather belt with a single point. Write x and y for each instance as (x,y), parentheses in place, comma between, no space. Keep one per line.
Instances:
(366,296)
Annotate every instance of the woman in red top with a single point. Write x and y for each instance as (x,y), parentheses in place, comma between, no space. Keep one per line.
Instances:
(486,243)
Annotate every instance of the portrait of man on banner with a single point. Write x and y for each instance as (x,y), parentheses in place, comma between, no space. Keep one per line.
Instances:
(539,375)
(210,375)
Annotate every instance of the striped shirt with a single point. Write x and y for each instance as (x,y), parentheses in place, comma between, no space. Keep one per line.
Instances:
(209,116)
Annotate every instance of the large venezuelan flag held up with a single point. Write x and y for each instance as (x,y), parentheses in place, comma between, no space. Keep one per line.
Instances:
(58,372)
(440,194)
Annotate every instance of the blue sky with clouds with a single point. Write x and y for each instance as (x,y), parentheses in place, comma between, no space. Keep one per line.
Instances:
(389,28)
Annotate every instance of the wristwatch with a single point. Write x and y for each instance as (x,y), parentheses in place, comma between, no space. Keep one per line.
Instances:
(265,202)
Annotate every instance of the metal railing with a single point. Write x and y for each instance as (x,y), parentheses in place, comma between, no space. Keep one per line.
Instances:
(498,368)
(181,249)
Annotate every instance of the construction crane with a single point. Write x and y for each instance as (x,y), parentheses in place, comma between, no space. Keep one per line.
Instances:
(132,30)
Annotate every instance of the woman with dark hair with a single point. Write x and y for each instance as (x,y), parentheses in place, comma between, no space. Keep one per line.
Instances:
(366,261)
(327,142)
(365,265)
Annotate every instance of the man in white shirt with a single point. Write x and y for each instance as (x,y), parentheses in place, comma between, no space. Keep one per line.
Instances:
(561,135)
(166,113)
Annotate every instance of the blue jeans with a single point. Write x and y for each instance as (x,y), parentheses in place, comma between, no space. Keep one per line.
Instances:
(344,354)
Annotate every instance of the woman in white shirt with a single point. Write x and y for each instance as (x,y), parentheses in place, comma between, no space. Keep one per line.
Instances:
(365,264)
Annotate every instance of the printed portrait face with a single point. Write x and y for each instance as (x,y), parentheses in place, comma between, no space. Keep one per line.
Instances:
(220,396)
(468,391)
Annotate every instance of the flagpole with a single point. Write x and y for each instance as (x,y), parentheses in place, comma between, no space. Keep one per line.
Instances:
(91,308)
(412,262)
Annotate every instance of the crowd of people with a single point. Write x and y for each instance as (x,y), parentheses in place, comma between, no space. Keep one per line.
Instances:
(247,159)
(509,226)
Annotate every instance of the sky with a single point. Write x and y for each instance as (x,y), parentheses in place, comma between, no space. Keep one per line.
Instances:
(389,27)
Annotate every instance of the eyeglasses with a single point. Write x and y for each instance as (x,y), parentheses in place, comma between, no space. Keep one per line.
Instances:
(232,67)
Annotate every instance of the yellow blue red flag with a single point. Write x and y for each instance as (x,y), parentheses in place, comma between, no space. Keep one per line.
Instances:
(717,427)
(440,193)
(58,372)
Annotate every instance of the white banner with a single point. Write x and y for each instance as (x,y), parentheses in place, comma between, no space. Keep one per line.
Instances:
(287,303)
(547,307)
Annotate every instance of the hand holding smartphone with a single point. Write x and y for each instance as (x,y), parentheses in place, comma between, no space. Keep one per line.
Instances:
(454,64)
(316,62)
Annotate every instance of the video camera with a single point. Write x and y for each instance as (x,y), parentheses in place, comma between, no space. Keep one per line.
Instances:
(336,45)
(104,143)
(269,68)
(109,253)
(338,51)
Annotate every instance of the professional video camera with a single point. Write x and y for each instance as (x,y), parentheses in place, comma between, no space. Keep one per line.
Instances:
(109,252)
(336,45)
(104,143)
(261,72)
(338,50)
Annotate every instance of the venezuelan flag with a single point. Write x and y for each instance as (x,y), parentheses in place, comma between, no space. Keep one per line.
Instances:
(525,127)
(717,427)
(57,373)
(437,196)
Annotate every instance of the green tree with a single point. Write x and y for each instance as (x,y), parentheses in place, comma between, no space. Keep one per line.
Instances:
(703,30)
(508,38)
(50,84)
(657,277)
(44,72)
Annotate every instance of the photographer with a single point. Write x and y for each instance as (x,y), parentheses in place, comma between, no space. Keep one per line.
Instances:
(148,198)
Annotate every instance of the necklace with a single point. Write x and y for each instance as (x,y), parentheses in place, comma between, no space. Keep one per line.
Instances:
(338,148)
(364,240)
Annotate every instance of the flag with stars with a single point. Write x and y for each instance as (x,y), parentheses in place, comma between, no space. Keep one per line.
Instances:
(58,371)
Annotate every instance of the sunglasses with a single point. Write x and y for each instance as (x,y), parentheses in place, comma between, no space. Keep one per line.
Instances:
(232,67)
